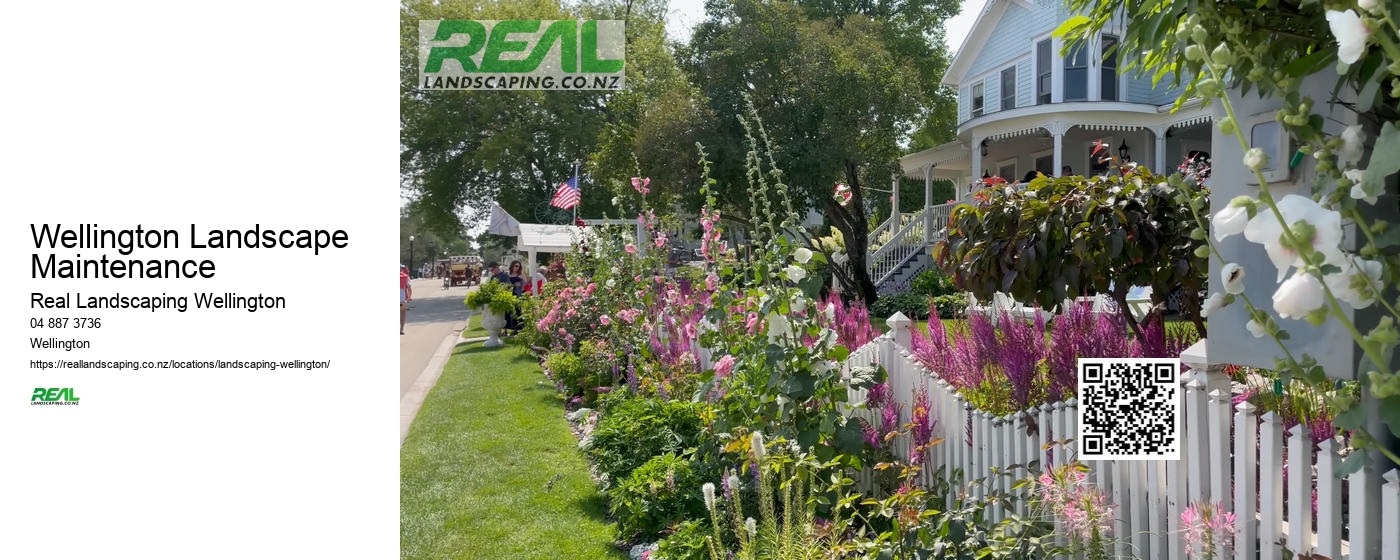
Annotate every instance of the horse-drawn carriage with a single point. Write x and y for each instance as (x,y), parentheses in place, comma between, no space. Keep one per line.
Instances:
(465,270)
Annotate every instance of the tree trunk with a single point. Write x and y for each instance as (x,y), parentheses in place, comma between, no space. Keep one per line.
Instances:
(1120,297)
(851,222)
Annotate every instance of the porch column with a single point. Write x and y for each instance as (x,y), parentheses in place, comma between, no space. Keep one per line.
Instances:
(1057,130)
(928,203)
(895,225)
(976,165)
(1159,148)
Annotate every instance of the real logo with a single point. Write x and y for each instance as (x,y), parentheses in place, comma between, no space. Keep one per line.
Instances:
(53,395)
(521,54)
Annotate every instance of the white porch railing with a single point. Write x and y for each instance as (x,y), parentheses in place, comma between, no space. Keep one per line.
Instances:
(889,249)
(1218,464)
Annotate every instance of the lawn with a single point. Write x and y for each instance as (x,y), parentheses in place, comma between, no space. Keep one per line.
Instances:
(473,327)
(491,470)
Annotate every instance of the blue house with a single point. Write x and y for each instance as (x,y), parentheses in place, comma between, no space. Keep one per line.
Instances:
(1024,105)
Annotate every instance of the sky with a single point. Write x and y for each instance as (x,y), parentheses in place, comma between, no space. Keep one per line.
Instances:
(686,13)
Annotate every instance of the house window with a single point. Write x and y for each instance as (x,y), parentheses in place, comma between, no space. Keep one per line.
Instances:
(1077,74)
(1008,88)
(1108,81)
(976,100)
(1042,72)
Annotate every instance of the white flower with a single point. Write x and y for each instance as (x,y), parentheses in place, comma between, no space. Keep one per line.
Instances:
(733,483)
(1031,194)
(1255,329)
(1299,295)
(610,283)
(1355,176)
(1351,34)
(708,490)
(1368,5)
(756,443)
(751,526)
(795,273)
(799,304)
(802,255)
(615,202)
(1212,303)
(778,327)
(1354,271)
(1255,159)
(1353,145)
(1266,230)
(1229,221)
(1232,276)
(830,312)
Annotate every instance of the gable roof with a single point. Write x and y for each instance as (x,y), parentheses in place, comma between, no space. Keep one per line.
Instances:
(976,39)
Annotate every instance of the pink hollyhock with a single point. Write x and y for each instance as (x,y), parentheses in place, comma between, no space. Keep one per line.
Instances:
(605,320)
(724,367)
(661,240)
(711,281)
(631,248)
(751,323)
(641,185)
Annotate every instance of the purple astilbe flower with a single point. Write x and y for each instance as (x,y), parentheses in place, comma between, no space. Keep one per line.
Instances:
(889,417)
(1153,343)
(984,336)
(1021,352)
(921,418)
(965,366)
(876,396)
(872,437)
(632,376)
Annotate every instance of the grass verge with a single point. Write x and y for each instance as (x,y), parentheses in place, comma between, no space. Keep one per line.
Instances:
(473,328)
(491,470)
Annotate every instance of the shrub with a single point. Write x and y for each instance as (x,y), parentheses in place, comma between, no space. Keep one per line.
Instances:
(568,371)
(635,430)
(658,494)
(687,542)
(950,306)
(932,283)
(914,306)
(493,295)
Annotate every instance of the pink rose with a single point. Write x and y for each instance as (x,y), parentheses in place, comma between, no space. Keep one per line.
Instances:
(605,320)
(724,367)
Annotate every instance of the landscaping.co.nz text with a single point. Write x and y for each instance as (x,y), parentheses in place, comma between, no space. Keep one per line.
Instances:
(179,364)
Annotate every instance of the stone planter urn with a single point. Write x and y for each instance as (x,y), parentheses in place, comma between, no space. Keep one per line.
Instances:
(493,323)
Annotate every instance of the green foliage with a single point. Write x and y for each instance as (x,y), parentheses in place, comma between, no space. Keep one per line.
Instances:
(1068,236)
(663,491)
(694,275)
(913,306)
(951,305)
(686,542)
(568,370)
(492,295)
(931,283)
(635,430)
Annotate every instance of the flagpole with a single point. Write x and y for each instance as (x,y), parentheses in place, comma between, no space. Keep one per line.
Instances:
(580,193)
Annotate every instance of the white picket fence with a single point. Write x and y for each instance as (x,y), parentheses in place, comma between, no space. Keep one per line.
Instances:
(1150,495)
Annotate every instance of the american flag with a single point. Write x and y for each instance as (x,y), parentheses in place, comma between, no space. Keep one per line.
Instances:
(568,195)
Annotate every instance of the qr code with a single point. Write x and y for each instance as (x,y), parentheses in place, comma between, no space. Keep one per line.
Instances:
(1129,409)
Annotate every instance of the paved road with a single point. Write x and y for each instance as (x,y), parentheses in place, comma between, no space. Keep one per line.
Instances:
(435,314)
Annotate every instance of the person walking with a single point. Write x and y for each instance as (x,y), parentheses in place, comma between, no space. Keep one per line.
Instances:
(516,278)
(405,296)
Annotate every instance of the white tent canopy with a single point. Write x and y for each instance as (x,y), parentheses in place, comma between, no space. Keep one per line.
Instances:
(547,238)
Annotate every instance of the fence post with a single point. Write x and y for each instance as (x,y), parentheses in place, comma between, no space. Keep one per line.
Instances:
(1246,528)
(900,330)
(1329,501)
(1300,488)
(1198,489)
(996,461)
(1365,511)
(1157,516)
(1220,457)
(1270,486)
(1390,514)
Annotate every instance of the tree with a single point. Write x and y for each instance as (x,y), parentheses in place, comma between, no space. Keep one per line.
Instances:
(838,86)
